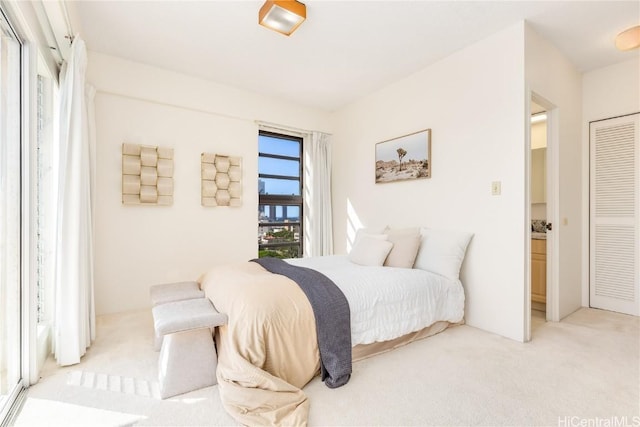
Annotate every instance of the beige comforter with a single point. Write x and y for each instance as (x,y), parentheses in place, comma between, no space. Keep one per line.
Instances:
(268,351)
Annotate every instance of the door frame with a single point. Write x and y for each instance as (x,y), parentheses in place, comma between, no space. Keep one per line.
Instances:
(552,190)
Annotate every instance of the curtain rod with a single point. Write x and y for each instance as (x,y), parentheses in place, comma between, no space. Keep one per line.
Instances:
(287,128)
(67,20)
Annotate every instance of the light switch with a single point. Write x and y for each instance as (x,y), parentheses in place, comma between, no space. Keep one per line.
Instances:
(496,188)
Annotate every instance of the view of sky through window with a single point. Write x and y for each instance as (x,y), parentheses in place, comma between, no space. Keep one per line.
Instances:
(282,167)
(281,147)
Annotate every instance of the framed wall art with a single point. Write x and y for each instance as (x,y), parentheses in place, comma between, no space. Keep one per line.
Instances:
(221,180)
(403,158)
(147,175)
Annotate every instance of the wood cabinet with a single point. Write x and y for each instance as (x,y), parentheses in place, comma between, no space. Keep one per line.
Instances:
(539,270)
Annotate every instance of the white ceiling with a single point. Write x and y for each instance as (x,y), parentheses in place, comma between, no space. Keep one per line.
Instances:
(345,49)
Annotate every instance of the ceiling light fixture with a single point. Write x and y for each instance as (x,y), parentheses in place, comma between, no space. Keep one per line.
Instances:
(283,16)
(629,39)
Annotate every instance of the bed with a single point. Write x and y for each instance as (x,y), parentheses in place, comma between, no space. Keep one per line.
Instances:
(269,350)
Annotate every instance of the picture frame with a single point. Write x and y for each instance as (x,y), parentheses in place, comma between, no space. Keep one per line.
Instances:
(404,158)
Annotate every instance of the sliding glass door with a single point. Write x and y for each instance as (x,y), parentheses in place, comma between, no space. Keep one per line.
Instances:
(10,214)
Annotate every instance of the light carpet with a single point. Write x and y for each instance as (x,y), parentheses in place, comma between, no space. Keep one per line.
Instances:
(585,369)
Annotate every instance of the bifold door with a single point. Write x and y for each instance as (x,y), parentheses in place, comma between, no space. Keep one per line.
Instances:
(614,214)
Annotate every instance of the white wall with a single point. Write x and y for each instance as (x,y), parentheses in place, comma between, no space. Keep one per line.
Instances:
(539,135)
(550,75)
(538,140)
(607,92)
(539,211)
(474,102)
(611,91)
(138,246)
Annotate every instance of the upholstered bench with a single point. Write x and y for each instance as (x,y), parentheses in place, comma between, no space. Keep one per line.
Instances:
(188,357)
(172,292)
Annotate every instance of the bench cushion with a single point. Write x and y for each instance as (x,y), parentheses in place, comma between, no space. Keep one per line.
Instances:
(170,292)
(186,315)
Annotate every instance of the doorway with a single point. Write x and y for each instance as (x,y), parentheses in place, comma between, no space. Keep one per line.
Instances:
(539,219)
(541,288)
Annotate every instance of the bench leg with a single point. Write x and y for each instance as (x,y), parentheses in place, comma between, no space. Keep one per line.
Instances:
(187,362)
(157,341)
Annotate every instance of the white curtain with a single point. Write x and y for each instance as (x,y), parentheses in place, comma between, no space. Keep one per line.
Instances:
(74,314)
(318,223)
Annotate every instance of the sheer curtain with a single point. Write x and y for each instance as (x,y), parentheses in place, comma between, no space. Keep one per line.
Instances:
(74,314)
(318,223)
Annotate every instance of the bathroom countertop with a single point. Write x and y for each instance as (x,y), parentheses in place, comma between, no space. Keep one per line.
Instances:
(538,236)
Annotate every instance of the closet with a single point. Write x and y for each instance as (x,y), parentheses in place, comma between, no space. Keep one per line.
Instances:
(614,235)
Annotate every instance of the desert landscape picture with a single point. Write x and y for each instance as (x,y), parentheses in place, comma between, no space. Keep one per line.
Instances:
(403,158)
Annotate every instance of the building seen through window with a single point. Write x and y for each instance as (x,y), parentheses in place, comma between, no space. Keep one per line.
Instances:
(280,195)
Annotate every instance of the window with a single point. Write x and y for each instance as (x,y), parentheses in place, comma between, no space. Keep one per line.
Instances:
(10,216)
(280,195)
(45,202)
(40,194)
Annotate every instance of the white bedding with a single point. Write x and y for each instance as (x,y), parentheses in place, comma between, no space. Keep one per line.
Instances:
(388,302)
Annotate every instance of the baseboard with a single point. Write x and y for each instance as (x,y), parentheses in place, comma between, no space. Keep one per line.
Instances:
(538,306)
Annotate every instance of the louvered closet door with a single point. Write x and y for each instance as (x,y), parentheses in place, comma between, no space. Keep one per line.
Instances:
(615,214)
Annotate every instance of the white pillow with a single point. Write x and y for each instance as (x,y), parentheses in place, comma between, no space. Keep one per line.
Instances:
(442,251)
(405,248)
(376,231)
(370,250)
(405,231)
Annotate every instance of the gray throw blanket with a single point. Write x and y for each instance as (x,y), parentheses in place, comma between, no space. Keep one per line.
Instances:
(333,318)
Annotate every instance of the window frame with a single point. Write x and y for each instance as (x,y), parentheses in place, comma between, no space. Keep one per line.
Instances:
(17,355)
(281,199)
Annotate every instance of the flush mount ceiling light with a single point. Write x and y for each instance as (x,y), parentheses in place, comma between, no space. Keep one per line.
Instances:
(283,16)
(629,39)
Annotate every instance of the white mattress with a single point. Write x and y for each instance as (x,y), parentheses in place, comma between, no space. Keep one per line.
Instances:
(388,302)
